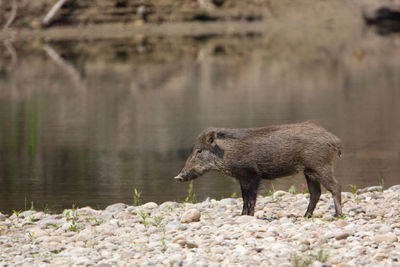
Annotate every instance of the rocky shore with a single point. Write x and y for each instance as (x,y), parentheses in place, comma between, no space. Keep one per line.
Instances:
(211,233)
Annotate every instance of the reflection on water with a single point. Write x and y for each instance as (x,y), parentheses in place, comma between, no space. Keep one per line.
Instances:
(87,122)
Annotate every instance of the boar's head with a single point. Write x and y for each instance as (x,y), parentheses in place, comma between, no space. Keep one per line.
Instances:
(204,156)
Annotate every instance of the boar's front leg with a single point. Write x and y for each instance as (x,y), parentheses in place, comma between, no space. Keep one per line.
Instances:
(249,194)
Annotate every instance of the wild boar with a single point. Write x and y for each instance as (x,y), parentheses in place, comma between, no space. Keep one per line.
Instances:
(252,154)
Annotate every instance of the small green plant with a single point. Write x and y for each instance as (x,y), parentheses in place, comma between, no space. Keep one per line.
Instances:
(157,221)
(208,216)
(73,227)
(292,189)
(17,212)
(234,195)
(164,245)
(353,188)
(307,260)
(56,251)
(382,184)
(312,216)
(144,216)
(31,237)
(72,215)
(322,256)
(98,221)
(271,191)
(32,206)
(171,208)
(136,197)
(357,200)
(46,209)
(342,217)
(191,198)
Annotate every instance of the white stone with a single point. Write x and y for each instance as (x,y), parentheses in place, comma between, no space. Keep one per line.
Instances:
(191,215)
(116,207)
(150,205)
(385,229)
(259,214)
(175,259)
(168,205)
(175,226)
(241,249)
(395,188)
(88,211)
(245,219)
(36,232)
(388,237)
(228,202)
(279,193)
(84,235)
(219,239)
(317,264)
(26,214)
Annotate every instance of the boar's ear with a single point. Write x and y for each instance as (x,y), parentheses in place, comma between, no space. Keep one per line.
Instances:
(210,139)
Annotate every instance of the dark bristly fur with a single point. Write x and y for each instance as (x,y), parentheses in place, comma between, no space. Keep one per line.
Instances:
(252,154)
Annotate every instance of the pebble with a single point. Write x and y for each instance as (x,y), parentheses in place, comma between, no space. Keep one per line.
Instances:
(36,232)
(228,202)
(192,215)
(210,233)
(389,237)
(150,206)
(116,207)
(394,188)
(279,193)
(369,189)
(245,219)
(342,236)
(26,214)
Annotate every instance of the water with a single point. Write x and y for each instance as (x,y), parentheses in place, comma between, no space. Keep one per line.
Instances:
(85,123)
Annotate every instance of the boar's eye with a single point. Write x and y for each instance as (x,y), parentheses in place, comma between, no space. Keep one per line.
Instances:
(199,151)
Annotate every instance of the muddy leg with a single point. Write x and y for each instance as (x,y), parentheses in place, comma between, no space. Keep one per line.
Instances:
(315,192)
(329,182)
(249,195)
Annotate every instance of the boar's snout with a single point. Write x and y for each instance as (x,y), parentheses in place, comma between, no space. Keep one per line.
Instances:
(182,176)
(179,178)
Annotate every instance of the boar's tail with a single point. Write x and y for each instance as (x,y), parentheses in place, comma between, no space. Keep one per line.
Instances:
(336,147)
(338,150)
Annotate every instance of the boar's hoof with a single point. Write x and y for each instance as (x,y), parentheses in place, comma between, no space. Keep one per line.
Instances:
(179,178)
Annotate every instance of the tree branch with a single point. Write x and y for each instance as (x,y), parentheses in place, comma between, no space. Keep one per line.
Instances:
(12,16)
(53,11)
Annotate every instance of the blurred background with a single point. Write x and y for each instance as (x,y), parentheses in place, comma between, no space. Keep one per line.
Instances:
(85,120)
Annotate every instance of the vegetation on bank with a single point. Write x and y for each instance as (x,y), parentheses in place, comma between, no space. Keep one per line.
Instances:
(191,198)
(43,13)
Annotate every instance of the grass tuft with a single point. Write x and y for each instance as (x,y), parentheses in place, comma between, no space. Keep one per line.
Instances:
(191,198)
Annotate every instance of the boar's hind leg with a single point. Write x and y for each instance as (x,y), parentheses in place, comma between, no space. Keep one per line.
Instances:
(315,192)
(249,194)
(324,175)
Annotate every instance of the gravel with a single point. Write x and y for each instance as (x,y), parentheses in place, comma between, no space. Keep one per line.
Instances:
(211,233)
